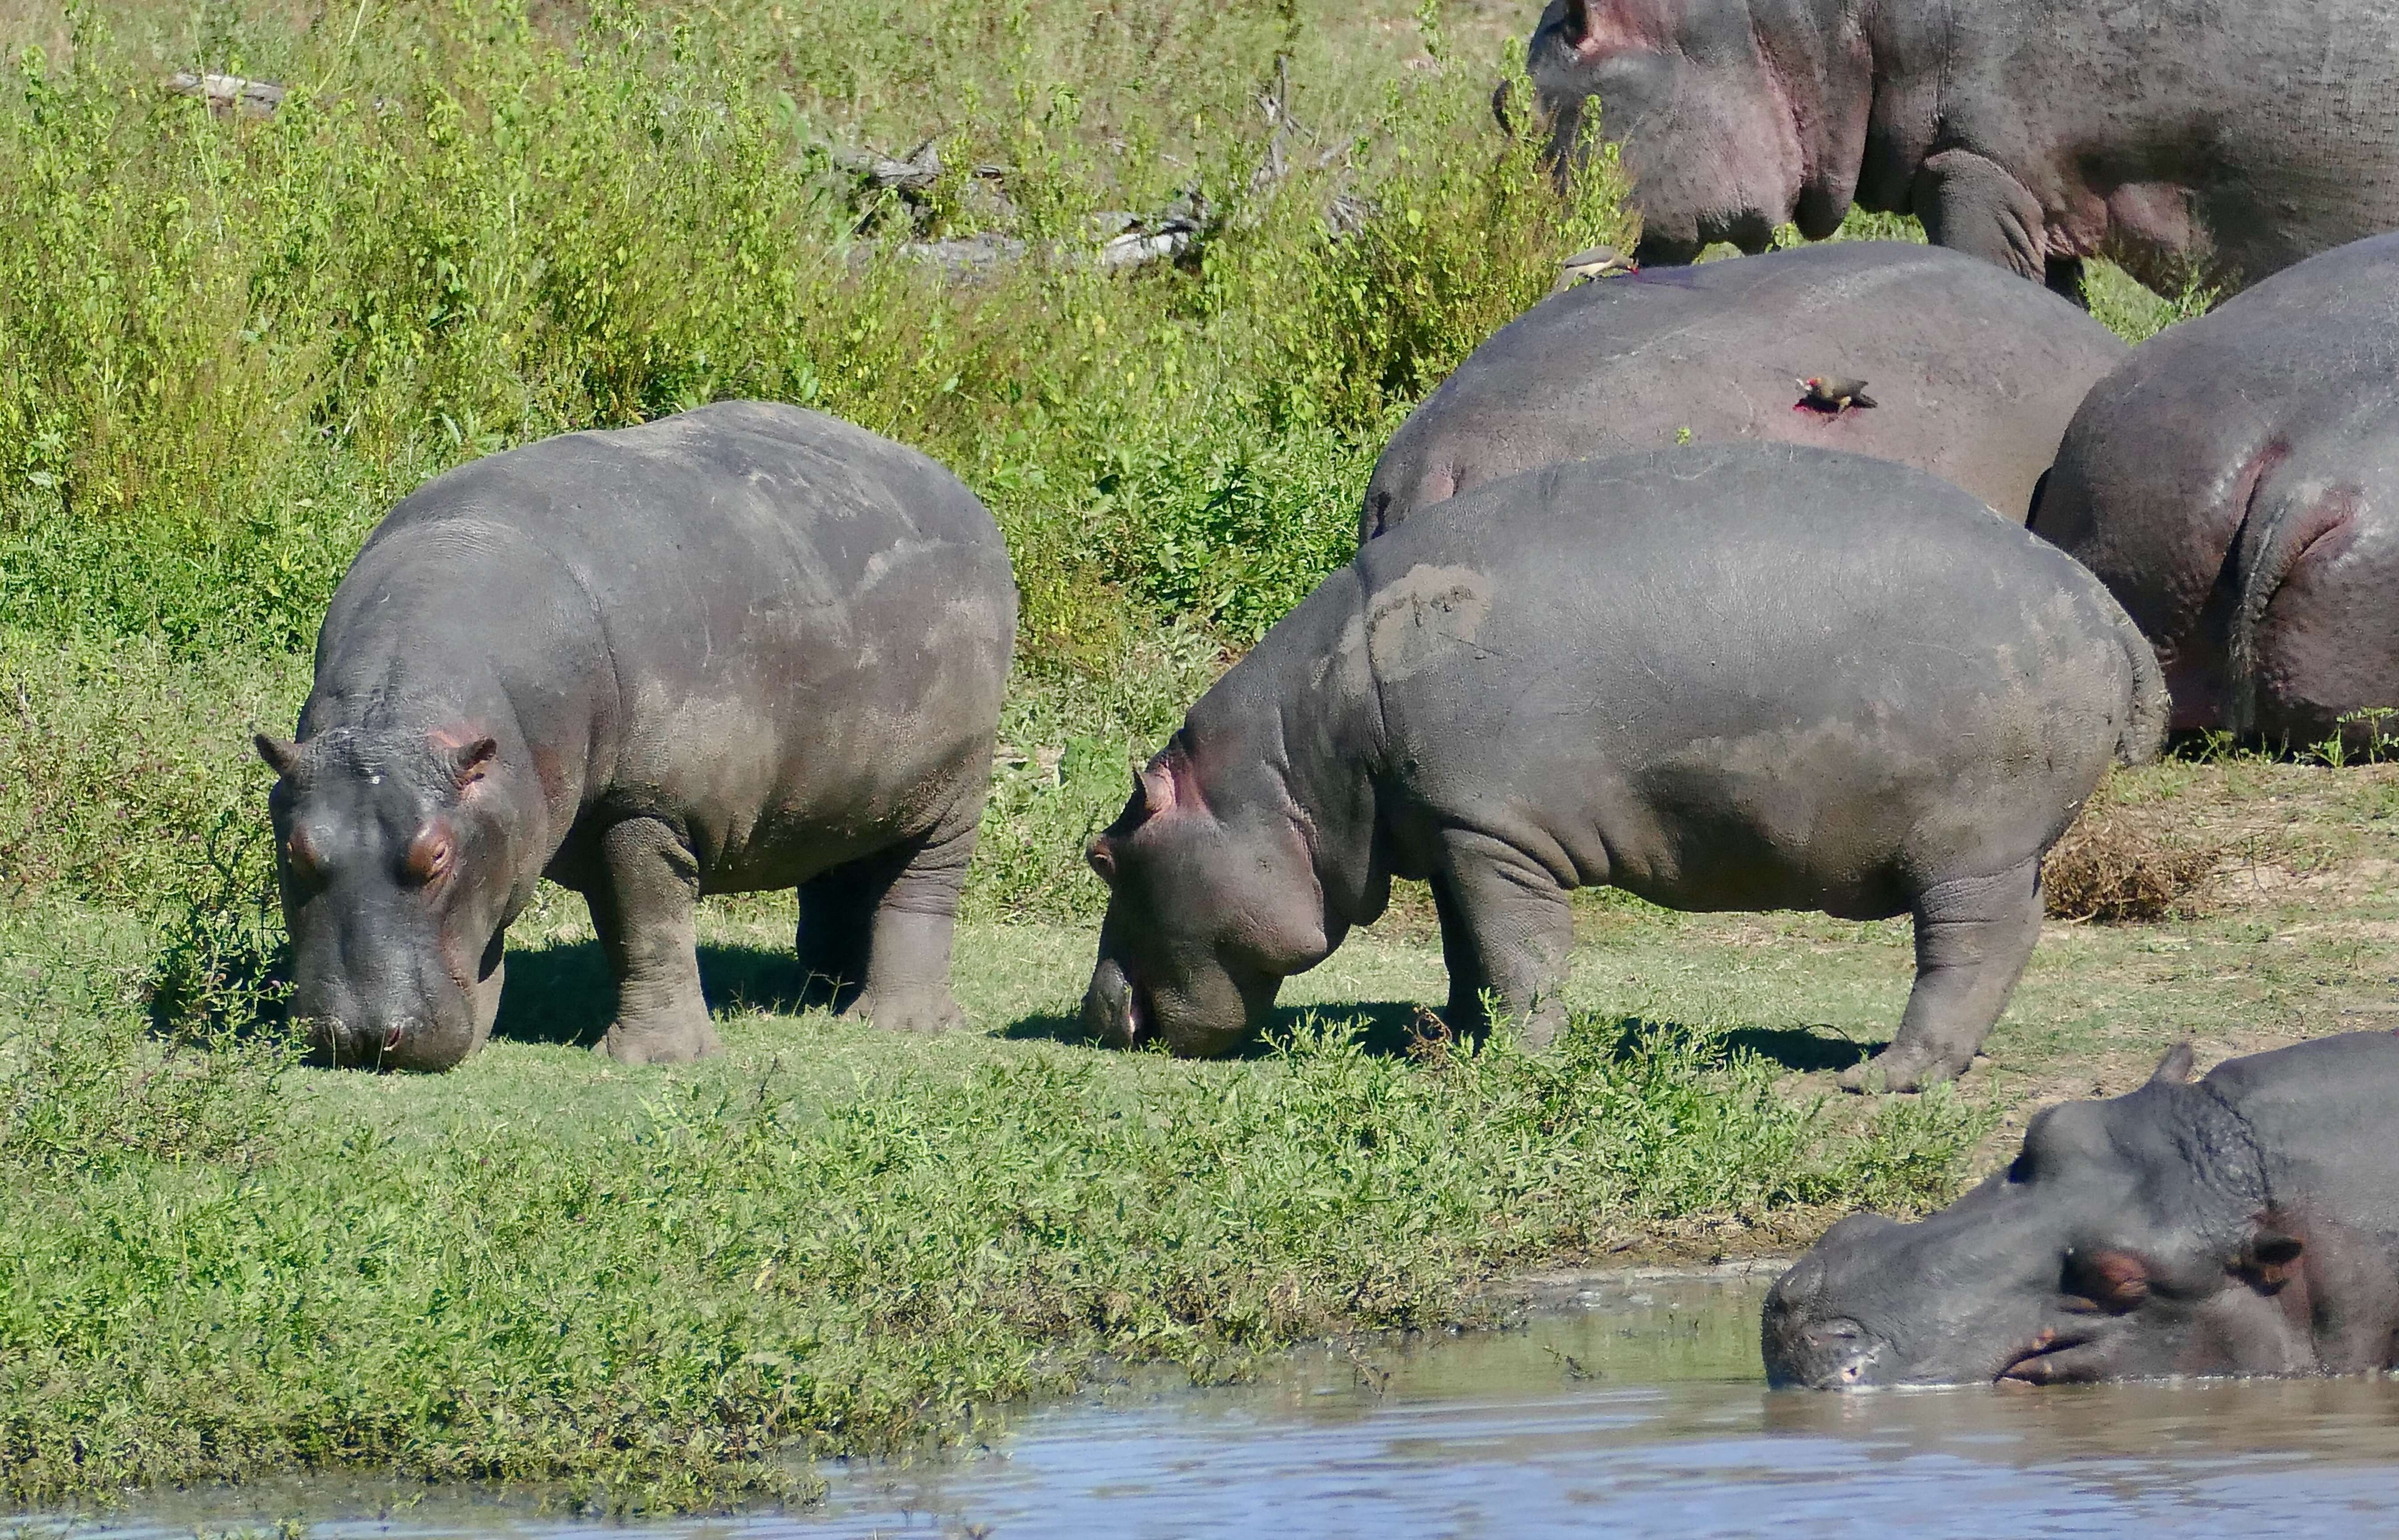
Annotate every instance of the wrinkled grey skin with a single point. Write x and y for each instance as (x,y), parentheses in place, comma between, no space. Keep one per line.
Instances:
(2245,1224)
(745,647)
(1728,676)
(2236,486)
(2180,138)
(1975,375)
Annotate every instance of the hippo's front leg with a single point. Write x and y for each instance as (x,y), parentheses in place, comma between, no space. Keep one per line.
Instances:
(644,908)
(1506,913)
(1973,935)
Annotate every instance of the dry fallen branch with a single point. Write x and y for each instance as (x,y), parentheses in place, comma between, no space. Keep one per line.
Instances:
(228,94)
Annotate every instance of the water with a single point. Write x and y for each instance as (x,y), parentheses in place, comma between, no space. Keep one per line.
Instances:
(1640,1411)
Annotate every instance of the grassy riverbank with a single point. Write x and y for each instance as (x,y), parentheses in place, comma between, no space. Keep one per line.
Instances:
(226,344)
(654,1286)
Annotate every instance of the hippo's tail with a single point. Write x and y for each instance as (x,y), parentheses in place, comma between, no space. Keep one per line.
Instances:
(2274,540)
(2144,733)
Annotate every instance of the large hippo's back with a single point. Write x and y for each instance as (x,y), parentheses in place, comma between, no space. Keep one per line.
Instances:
(1975,372)
(2235,484)
(748,496)
(752,614)
(1848,662)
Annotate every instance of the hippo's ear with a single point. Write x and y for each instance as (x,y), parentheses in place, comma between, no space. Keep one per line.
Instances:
(1154,783)
(467,760)
(2173,1069)
(1610,26)
(281,755)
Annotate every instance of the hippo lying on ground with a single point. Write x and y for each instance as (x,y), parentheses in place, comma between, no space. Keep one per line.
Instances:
(1726,676)
(1973,374)
(2236,486)
(2177,137)
(746,647)
(2246,1224)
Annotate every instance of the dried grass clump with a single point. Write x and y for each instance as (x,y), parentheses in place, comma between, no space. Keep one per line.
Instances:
(2119,864)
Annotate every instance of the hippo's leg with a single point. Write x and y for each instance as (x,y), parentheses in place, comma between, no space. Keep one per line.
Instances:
(1506,912)
(1973,936)
(1459,960)
(1970,204)
(905,901)
(837,929)
(644,909)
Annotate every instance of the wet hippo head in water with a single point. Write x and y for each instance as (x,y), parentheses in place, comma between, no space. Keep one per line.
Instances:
(394,870)
(2245,1223)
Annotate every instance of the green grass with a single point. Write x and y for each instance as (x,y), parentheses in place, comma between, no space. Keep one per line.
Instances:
(666,1287)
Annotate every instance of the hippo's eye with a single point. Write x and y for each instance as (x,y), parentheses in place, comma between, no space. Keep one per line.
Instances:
(300,853)
(2103,1280)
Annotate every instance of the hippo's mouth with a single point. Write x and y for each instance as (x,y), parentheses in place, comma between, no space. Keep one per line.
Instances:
(2049,1359)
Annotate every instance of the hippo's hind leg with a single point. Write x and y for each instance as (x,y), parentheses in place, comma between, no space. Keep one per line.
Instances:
(644,908)
(1505,928)
(1973,935)
(884,922)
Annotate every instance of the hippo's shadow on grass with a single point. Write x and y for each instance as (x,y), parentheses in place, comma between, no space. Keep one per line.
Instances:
(1387,1027)
(1799,1048)
(563,993)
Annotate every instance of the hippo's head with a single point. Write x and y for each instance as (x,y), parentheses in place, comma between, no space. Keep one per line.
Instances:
(1213,901)
(1732,116)
(2129,1238)
(394,870)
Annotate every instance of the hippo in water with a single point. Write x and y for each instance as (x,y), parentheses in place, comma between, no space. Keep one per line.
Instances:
(2180,138)
(1973,375)
(2236,485)
(1723,676)
(2247,1224)
(744,647)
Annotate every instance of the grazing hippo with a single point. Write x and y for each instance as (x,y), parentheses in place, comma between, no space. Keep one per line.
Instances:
(2178,137)
(2246,1225)
(2236,486)
(1726,676)
(1973,375)
(745,647)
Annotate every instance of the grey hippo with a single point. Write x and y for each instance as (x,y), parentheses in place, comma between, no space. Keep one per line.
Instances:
(1720,676)
(2182,138)
(2235,484)
(743,647)
(2246,1223)
(1973,374)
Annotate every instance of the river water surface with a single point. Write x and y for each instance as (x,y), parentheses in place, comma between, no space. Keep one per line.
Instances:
(1640,1410)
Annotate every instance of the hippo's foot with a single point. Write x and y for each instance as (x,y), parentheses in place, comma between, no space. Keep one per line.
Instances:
(1899,1069)
(660,1040)
(924,1011)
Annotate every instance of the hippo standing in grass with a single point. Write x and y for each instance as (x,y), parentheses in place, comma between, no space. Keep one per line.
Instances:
(2236,486)
(2245,1224)
(1973,375)
(744,647)
(2177,137)
(1726,676)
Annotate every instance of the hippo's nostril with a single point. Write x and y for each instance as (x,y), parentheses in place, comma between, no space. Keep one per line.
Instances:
(391,1035)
